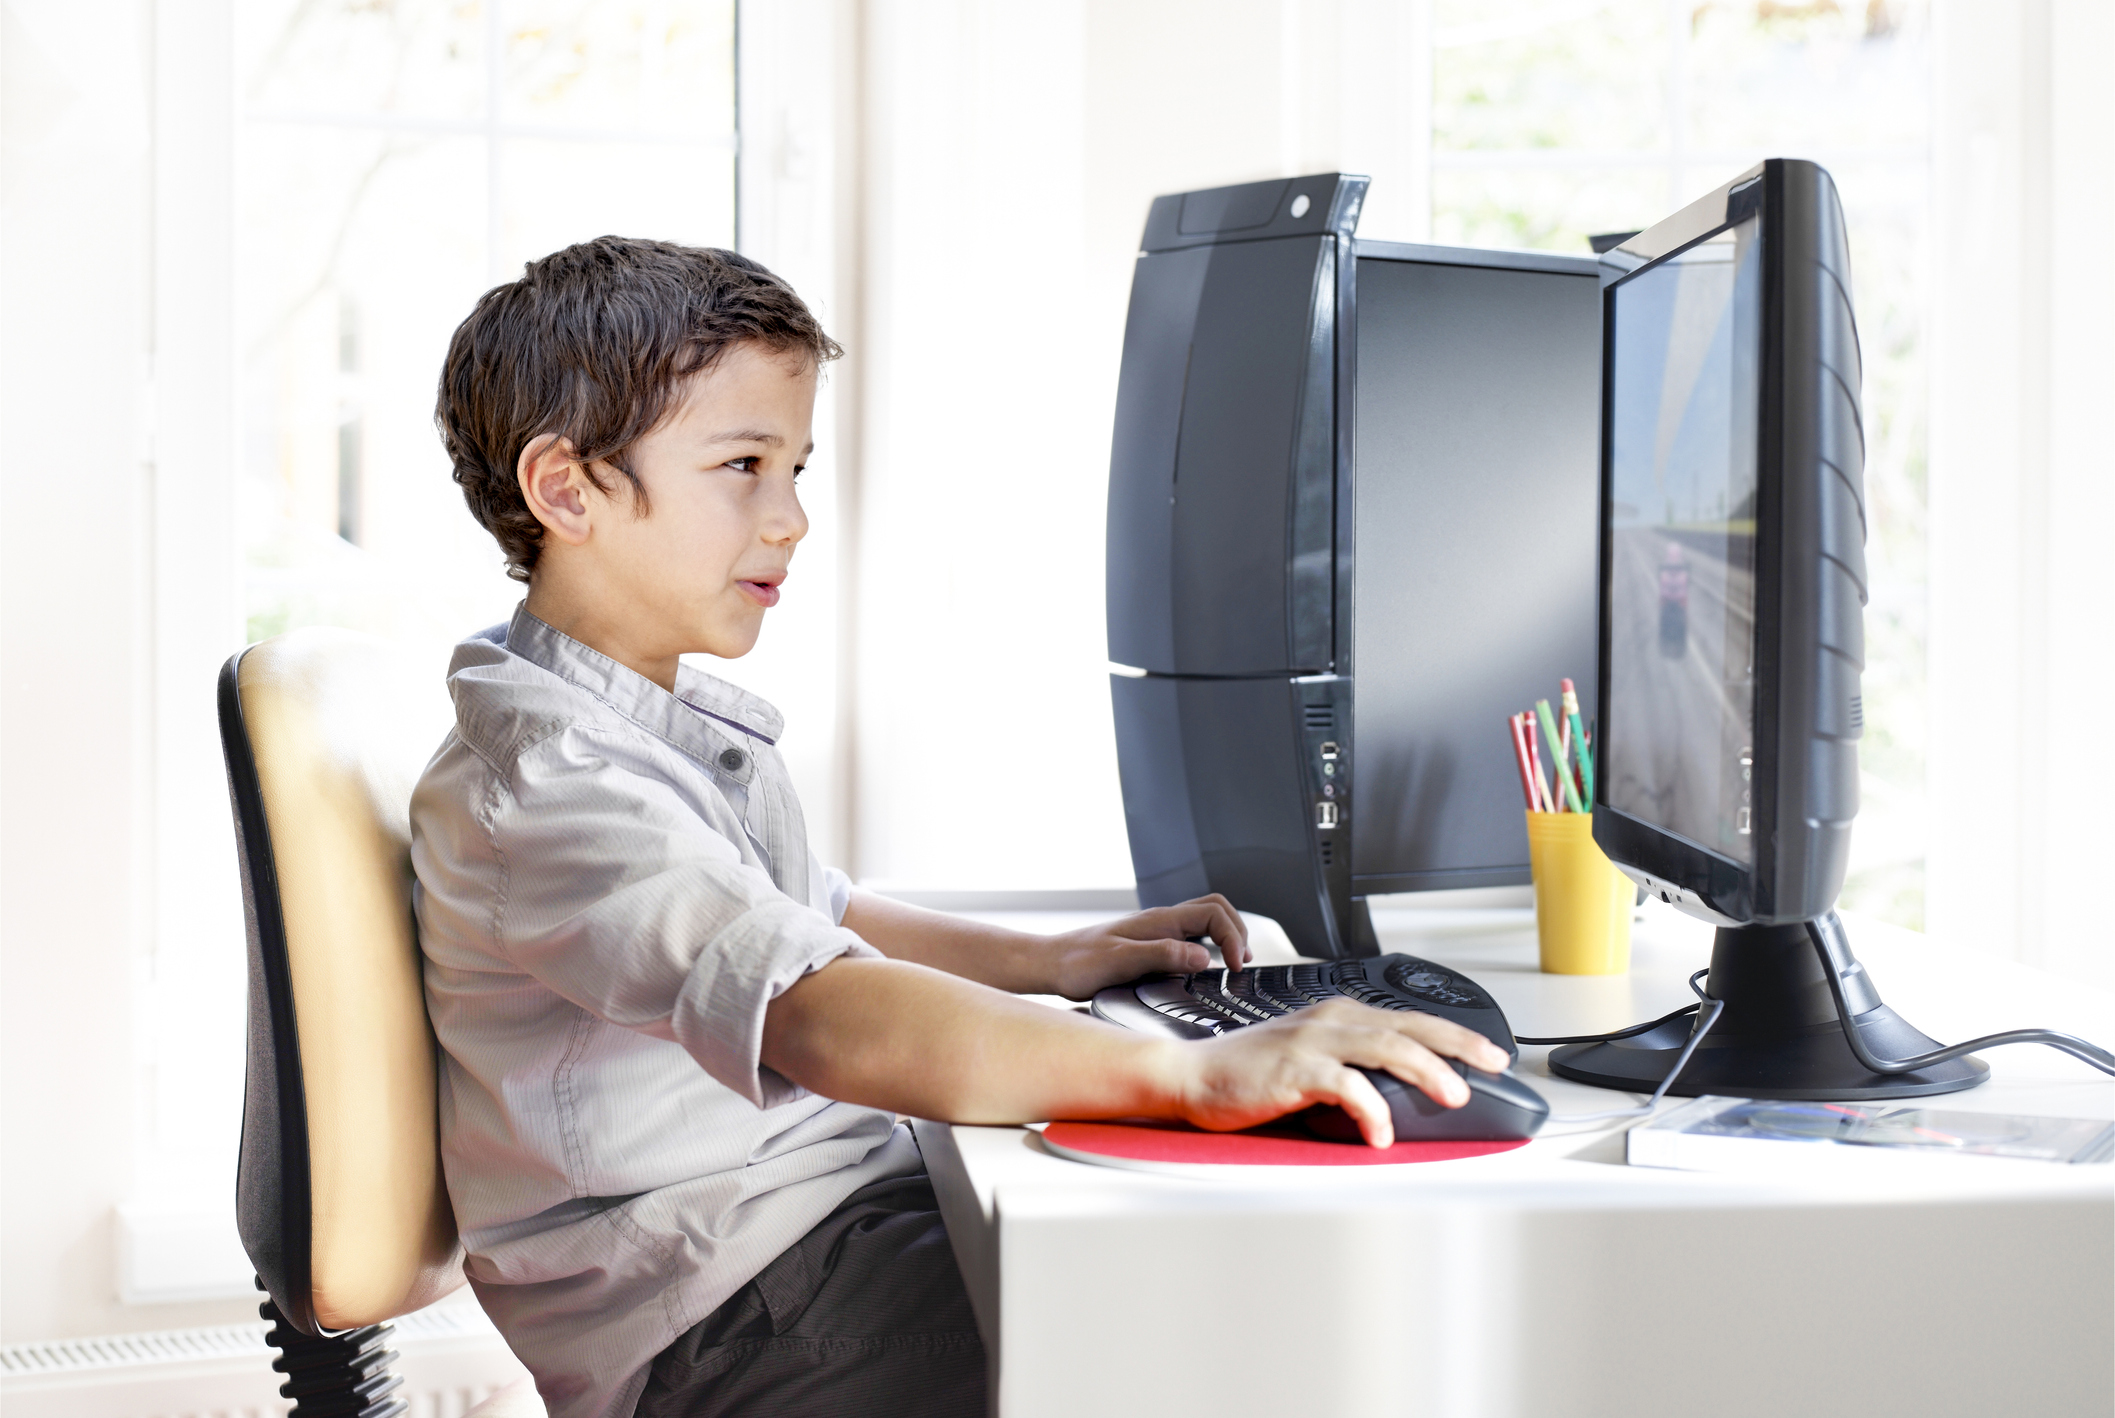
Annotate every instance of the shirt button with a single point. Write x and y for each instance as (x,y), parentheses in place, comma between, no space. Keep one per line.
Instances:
(734,760)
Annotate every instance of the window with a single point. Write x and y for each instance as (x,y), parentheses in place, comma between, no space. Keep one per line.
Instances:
(1553,119)
(394,161)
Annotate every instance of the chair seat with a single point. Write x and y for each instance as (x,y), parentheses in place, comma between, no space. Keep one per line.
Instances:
(517,1400)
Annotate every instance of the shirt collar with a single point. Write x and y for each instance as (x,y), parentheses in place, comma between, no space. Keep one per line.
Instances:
(637,697)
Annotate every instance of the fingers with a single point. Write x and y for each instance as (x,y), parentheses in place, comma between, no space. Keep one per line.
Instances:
(1226,928)
(1357,1096)
(1409,1060)
(1212,916)
(1439,1036)
(1460,1042)
(1413,1047)
(1176,957)
(1324,1055)
(1444,1036)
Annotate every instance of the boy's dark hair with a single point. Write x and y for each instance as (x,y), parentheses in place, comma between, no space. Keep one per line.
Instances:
(593,344)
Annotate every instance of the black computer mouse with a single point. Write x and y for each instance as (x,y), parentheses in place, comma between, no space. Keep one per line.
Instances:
(1501,1108)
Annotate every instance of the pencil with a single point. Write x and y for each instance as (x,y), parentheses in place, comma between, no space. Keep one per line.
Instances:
(1585,757)
(1542,786)
(1549,727)
(1564,750)
(1520,762)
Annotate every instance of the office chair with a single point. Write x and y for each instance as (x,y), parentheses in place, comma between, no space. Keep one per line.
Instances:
(339,1198)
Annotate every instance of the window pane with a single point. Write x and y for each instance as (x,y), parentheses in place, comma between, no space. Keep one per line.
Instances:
(1781,79)
(1547,74)
(359,253)
(661,65)
(412,58)
(672,192)
(383,188)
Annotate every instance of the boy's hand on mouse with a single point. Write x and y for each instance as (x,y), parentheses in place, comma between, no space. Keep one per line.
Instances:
(1111,953)
(1268,1070)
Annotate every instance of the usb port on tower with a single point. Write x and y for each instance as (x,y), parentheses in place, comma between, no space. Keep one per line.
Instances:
(1325,815)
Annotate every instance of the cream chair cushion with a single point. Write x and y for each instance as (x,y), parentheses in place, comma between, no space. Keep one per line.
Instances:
(340,726)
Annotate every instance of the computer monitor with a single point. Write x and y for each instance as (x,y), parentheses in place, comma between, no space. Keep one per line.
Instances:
(1732,594)
(1472,546)
(1351,529)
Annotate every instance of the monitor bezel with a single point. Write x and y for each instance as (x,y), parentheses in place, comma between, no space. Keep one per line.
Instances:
(1682,873)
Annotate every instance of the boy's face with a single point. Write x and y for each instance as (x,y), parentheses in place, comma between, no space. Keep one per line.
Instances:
(699,568)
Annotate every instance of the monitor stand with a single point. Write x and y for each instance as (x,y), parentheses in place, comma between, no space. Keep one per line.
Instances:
(1779,1035)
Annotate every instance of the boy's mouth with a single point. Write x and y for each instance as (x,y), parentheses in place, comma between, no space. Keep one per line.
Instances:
(764,593)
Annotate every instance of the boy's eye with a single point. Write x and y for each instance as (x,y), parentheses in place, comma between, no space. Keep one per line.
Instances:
(745,464)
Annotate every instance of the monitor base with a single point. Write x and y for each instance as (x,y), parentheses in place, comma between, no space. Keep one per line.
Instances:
(1779,1035)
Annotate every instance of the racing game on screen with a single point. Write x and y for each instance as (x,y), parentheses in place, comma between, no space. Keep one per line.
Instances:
(1682,434)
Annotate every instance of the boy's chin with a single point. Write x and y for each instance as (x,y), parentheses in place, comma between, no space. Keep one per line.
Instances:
(730,642)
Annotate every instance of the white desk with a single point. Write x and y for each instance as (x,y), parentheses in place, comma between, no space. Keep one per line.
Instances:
(1553,1280)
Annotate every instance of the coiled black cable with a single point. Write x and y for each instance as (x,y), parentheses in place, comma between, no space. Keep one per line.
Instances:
(2077,1048)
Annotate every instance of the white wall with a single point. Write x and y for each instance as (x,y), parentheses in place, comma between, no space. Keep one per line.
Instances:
(2022,677)
(82,551)
(1010,153)
(797,214)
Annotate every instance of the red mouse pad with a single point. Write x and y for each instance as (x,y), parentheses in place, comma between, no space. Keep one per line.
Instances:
(1181,1145)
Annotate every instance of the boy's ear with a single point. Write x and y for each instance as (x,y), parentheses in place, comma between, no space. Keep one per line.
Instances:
(556,488)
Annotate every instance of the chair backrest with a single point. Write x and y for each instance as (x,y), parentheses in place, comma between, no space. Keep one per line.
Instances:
(340,1200)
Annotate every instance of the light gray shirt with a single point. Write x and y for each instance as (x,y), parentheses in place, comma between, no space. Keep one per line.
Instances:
(613,882)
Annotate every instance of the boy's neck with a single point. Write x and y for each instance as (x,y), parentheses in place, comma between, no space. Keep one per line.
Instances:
(576,617)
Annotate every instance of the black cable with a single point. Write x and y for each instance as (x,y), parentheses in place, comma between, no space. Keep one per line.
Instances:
(1631,1033)
(1709,1009)
(2070,1043)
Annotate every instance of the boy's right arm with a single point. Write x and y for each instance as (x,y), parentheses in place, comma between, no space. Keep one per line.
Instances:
(910,1039)
(591,874)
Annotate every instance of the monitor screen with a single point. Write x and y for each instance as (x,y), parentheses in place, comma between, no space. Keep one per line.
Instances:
(1685,359)
(1478,432)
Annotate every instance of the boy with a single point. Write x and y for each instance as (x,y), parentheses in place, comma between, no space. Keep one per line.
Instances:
(674,1042)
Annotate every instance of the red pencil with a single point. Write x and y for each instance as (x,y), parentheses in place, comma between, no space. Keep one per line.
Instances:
(1542,786)
(1520,761)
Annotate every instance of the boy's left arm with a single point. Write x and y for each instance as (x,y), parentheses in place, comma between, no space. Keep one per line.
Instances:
(1074,964)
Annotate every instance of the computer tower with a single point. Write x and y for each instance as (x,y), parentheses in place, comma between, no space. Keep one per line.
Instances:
(1352,511)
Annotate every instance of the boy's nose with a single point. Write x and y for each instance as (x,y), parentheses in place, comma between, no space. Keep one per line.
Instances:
(788,521)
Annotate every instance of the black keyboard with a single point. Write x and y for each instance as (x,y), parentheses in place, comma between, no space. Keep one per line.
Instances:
(1213,1002)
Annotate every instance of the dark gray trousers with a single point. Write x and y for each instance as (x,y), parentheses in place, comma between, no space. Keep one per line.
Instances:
(865,1315)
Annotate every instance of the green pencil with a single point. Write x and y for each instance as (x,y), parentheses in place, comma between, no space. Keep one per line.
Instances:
(1586,757)
(1564,771)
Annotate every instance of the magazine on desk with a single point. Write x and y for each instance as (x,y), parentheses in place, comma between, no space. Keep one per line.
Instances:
(1763,1137)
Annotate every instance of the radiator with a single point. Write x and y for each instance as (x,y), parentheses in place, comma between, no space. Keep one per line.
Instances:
(450,1356)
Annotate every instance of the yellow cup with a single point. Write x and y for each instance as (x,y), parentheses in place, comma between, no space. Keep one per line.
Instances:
(1582,903)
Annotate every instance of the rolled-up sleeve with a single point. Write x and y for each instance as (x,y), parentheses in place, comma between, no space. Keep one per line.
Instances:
(839,888)
(638,912)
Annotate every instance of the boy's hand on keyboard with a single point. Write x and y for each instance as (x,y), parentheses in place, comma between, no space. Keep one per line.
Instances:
(1161,939)
(1253,1075)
